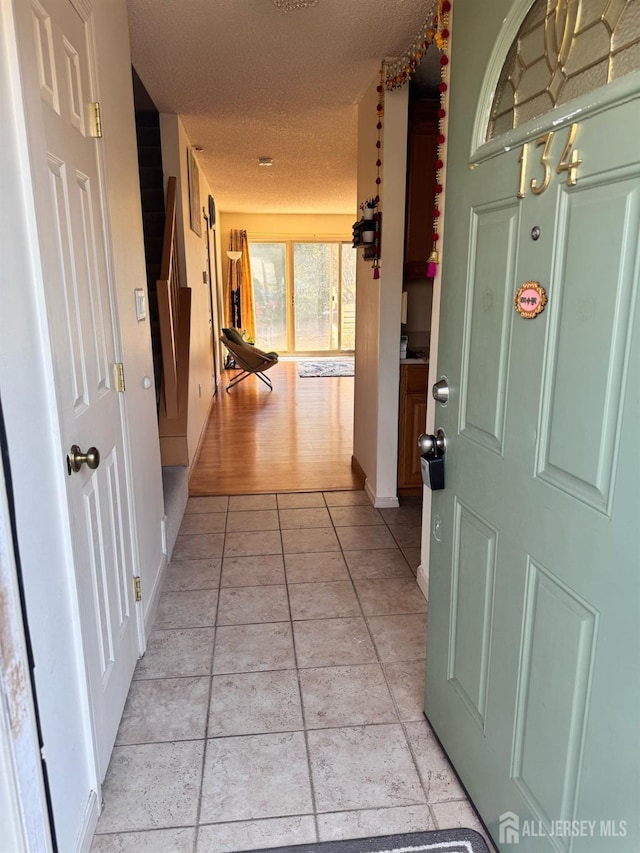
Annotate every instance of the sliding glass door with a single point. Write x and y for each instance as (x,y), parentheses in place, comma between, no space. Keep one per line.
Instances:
(268,274)
(304,296)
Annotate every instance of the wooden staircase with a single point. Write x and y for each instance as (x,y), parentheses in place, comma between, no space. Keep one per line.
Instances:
(153,218)
(174,317)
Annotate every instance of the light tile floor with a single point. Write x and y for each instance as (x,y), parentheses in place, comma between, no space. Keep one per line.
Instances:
(280,698)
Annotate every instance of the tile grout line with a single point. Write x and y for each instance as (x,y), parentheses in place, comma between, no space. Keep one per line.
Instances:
(298,669)
(208,711)
(312,789)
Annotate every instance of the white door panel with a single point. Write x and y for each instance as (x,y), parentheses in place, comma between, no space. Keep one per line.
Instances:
(78,295)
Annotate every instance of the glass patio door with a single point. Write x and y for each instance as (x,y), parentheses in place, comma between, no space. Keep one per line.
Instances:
(269,280)
(304,295)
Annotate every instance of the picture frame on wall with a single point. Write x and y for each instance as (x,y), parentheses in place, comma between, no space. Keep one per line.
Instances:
(195,218)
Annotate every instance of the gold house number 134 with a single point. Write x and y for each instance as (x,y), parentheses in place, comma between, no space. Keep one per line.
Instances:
(569,163)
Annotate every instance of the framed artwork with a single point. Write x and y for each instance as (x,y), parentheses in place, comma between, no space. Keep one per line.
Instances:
(195,218)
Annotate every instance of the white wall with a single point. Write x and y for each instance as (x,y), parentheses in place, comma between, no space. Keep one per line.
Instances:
(378,302)
(193,262)
(366,389)
(114,78)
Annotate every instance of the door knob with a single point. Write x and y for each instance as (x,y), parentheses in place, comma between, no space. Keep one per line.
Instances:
(76,458)
(432,449)
(440,391)
(432,444)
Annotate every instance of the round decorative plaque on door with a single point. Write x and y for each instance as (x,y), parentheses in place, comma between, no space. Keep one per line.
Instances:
(530,300)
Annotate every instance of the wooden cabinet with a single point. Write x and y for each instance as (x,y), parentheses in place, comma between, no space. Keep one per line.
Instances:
(422,151)
(413,414)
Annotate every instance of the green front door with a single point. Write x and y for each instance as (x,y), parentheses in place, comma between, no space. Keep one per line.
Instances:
(533,649)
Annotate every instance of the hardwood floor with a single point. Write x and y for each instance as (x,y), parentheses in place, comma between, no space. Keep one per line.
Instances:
(296,438)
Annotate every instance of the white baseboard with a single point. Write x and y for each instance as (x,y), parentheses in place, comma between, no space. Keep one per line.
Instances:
(89,823)
(369,491)
(380,502)
(386,503)
(154,598)
(422,577)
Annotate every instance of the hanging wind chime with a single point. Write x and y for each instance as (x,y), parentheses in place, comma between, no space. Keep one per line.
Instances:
(440,34)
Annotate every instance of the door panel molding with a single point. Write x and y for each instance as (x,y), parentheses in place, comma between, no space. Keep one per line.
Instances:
(488,322)
(101,373)
(473,575)
(47,76)
(560,633)
(591,301)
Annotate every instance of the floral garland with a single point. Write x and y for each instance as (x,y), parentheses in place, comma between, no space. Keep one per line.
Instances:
(380,114)
(395,74)
(441,37)
(399,71)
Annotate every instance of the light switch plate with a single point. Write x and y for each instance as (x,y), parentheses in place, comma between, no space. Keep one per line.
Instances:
(141,304)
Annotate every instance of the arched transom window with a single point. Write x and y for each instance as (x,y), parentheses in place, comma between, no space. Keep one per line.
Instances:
(564,49)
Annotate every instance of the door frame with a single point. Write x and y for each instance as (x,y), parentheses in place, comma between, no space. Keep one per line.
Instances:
(27,820)
(214,297)
(33,437)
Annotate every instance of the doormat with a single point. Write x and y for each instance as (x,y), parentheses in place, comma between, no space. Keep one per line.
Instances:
(437,841)
(326,367)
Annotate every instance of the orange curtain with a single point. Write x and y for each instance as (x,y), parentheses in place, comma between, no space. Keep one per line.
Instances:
(247,309)
(239,310)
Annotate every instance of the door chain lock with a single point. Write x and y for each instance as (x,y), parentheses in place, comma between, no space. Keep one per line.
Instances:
(432,450)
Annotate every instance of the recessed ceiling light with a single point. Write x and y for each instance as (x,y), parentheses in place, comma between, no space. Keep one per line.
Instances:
(265,161)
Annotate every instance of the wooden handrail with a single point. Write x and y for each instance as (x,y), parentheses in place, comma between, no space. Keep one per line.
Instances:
(168,290)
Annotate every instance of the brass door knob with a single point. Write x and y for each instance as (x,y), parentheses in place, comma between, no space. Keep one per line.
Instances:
(76,458)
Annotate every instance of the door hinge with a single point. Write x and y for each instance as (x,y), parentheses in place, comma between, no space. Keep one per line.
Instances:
(119,371)
(96,119)
(137,588)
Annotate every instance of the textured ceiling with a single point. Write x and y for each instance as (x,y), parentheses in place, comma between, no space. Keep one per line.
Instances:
(251,81)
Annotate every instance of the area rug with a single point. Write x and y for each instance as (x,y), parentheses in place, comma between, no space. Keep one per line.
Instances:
(326,367)
(437,841)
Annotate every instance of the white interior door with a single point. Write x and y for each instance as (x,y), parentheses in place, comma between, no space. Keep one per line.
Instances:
(56,43)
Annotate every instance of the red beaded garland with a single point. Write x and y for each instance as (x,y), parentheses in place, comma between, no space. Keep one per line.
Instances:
(434,260)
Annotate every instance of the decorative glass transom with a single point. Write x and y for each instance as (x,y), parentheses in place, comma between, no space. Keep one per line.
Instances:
(564,49)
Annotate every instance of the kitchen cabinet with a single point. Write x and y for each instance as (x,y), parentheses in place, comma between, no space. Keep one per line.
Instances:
(422,152)
(412,419)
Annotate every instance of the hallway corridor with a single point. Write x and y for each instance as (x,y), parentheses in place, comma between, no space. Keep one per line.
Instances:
(280,698)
